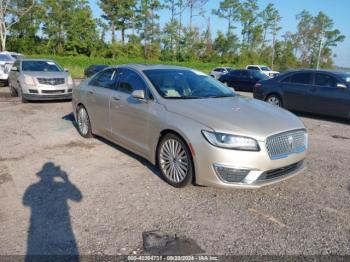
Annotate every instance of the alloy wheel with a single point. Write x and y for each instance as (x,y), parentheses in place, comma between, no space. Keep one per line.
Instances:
(83,121)
(274,100)
(174,161)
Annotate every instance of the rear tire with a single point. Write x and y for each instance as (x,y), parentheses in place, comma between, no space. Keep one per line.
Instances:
(83,123)
(175,161)
(274,100)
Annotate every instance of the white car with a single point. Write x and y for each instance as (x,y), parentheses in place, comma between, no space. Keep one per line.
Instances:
(263,69)
(6,62)
(219,71)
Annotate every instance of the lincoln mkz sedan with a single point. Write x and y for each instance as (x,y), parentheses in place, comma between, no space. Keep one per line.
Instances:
(192,126)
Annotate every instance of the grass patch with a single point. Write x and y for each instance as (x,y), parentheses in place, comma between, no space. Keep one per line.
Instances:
(77,64)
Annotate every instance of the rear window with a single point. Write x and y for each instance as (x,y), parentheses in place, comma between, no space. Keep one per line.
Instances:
(253,68)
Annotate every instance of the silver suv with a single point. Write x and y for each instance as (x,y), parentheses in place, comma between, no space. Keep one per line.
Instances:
(38,79)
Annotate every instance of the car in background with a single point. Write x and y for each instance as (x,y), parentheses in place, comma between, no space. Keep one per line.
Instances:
(191,126)
(93,69)
(6,62)
(242,79)
(219,71)
(313,91)
(16,55)
(39,79)
(263,69)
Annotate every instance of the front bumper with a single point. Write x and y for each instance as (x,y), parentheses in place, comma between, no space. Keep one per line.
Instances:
(40,97)
(255,168)
(47,92)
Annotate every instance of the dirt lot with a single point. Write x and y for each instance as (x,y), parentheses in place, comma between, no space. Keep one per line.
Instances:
(103,198)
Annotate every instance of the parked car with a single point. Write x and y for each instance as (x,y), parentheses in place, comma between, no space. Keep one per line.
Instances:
(39,79)
(263,69)
(6,62)
(320,92)
(219,71)
(93,69)
(193,127)
(243,79)
(15,55)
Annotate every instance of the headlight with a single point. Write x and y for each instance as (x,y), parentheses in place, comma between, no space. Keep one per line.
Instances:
(231,141)
(70,81)
(29,80)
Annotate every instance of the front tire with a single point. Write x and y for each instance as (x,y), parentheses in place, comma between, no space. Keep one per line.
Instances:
(20,94)
(13,91)
(174,161)
(83,121)
(274,100)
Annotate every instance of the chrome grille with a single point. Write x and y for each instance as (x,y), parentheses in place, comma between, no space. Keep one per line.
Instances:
(51,81)
(281,145)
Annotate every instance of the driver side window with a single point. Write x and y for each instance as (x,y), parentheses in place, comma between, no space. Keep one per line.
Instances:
(130,81)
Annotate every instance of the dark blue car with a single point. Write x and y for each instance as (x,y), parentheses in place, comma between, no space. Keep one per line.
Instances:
(312,91)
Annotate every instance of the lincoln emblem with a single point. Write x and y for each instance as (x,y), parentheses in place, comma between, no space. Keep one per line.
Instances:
(291,142)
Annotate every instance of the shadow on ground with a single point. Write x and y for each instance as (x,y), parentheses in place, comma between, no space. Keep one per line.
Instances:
(50,232)
(323,118)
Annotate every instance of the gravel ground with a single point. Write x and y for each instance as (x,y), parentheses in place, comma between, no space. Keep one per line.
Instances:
(93,197)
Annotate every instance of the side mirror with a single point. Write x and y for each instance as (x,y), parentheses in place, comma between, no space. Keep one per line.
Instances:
(66,70)
(339,85)
(15,69)
(139,94)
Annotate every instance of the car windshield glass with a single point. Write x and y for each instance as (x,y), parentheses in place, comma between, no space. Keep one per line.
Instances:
(345,77)
(186,84)
(40,66)
(6,58)
(259,75)
(265,68)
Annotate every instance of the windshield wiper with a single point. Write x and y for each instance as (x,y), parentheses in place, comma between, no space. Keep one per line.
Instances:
(220,96)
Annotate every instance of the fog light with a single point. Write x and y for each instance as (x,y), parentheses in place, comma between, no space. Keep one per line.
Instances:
(229,174)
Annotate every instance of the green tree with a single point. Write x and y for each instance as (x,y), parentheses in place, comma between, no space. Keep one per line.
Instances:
(229,10)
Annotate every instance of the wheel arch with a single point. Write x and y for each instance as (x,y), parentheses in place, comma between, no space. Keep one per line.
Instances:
(166,131)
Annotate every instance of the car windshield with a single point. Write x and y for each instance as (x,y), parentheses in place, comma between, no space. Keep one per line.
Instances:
(345,77)
(259,75)
(265,68)
(4,57)
(186,84)
(40,66)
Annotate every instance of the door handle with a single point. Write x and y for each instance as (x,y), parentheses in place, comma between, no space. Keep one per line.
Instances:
(115,98)
(91,92)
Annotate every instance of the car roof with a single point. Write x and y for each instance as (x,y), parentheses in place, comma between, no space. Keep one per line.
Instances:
(36,59)
(309,70)
(142,67)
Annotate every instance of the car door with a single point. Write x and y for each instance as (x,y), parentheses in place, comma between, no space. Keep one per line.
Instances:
(130,117)
(98,95)
(328,99)
(295,91)
(245,80)
(233,79)
(14,74)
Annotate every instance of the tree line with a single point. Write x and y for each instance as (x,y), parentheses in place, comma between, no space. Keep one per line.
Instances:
(251,33)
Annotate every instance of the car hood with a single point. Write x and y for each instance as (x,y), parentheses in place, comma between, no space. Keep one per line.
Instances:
(237,115)
(47,74)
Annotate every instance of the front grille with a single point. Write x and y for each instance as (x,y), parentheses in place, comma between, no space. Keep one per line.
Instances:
(282,145)
(52,91)
(51,81)
(280,171)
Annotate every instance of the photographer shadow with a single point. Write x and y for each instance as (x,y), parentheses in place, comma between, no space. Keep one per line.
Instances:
(50,232)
